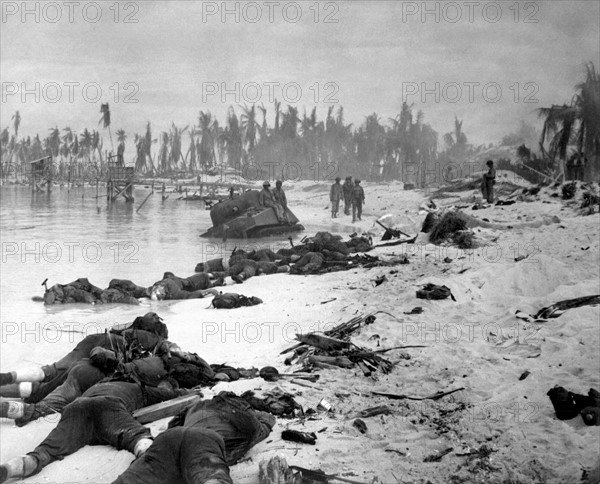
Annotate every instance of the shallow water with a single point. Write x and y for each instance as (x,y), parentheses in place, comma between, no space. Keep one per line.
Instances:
(69,233)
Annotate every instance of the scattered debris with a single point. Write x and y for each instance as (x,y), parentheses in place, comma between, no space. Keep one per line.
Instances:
(560,307)
(374,411)
(415,310)
(433,291)
(329,300)
(435,396)
(379,280)
(453,226)
(524,375)
(300,437)
(269,373)
(360,425)
(325,405)
(310,476)
(438,457)
(328,350)
(276,471)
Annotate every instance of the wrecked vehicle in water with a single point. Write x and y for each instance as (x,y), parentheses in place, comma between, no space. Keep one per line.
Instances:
(243,217)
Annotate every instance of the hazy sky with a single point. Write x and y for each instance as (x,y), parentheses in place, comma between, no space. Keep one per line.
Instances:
(485,62)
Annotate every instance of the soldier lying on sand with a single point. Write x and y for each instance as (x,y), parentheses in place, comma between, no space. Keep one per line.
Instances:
(103,365)
(146,335)
(198,447)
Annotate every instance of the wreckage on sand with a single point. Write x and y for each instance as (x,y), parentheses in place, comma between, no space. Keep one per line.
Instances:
(243,217)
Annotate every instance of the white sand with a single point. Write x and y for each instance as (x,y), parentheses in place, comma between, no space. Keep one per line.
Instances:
(475,342)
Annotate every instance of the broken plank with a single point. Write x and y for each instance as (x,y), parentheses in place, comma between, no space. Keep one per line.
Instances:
(435,396)
(323,342)
(168,408)
(364,368)
(340,361)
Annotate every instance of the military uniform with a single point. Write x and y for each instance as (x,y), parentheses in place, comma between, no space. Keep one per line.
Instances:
(335,195)
(358,198)
(347,189)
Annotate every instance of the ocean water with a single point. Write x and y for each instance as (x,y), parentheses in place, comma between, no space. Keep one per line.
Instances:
(70,233)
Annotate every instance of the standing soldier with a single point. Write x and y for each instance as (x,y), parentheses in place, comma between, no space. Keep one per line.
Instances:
(488,181)
(358,199)
(579,167)
(347,188)
(335,195)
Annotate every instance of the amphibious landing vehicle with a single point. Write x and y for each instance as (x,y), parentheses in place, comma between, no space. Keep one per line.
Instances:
(242,217)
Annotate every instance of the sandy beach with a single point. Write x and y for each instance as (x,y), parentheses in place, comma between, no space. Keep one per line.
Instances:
(502,429)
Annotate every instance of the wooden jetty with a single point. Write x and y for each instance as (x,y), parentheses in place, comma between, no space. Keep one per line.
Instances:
(212,195)
(120,179)
(40,174)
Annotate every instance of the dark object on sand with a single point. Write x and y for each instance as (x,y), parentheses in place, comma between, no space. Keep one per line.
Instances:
(449,224)
(568,405)
(453,227)
(438,457)
(435,396)
(243,217)
(230,300)
(590,199)
(390,233)
(524,375)
(308,476)
(416,310)
(269,373)
(591,413)
(560,307)
(569,190)
(360,425)
(379,280)
(411,240)
(433,291)
(504,203)
(301,437)
(431,221)
(374,411)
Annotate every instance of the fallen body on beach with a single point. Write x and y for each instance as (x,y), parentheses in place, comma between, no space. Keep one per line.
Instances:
(499,421)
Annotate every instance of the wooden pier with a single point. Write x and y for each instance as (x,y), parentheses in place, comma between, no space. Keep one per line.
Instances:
(40,174)
(120,179)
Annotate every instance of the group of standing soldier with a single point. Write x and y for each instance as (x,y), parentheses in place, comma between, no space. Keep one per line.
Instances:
(352,194)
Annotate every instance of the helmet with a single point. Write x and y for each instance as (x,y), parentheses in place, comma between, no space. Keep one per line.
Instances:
(266,183)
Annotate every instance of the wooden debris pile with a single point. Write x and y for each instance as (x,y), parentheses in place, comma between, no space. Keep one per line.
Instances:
(333,349)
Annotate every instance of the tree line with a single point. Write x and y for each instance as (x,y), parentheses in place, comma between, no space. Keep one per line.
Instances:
(375,150)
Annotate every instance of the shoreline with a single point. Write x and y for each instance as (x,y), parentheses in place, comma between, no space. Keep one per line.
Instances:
(476,342)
